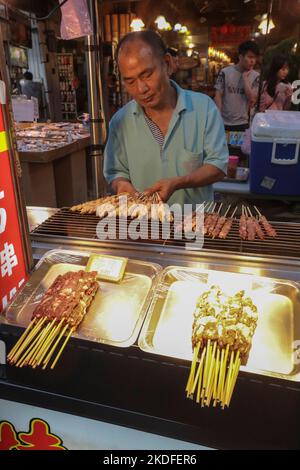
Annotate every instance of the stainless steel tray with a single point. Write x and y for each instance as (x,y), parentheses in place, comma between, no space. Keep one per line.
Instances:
(168,326)
(118,310)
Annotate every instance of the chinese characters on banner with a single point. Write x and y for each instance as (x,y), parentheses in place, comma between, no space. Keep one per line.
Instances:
(12,263)
(229,34)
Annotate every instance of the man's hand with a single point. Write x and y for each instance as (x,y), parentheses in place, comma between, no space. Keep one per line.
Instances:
(121,185)
(165,188)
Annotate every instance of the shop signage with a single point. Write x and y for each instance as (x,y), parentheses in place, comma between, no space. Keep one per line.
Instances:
(12,263)
(229,34)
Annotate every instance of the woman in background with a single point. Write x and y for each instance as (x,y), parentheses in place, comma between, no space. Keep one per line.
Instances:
(277,91)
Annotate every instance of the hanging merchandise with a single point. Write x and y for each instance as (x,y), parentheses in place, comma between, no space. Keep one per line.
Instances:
(75,21)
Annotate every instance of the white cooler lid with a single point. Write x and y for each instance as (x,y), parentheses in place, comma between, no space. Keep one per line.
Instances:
(277,124)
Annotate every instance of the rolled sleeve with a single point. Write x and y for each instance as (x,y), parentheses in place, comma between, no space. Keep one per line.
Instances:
(115,159)
(215,145)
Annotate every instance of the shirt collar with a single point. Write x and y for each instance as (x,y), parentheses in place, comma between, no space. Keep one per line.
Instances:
(181,101)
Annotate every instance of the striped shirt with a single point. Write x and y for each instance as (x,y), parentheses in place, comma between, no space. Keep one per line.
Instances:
(156,132)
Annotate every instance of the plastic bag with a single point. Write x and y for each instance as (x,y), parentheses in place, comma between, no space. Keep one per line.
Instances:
(75,21)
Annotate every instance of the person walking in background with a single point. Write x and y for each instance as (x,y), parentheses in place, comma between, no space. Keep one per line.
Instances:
(237,88)
(276,90)
(31,88)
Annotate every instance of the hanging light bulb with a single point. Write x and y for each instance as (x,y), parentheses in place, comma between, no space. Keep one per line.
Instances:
(263,26)
(177,27)
(183,30)
(137,24)
(162,23)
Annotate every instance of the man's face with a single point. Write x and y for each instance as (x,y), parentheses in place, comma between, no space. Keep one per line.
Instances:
(144,75)
(248,60)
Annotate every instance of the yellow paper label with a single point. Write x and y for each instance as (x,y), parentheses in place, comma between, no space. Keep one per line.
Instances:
(108,267)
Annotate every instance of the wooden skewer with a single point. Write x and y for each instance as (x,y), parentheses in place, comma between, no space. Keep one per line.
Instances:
(258,211)
(228,210)
(49,355)
(234,212)
(21,339)
(33,347)
(62,348)
(219,210)
(42,342)
(198,372)
(212,365)
(35,331)
(48,344)
(200,376)
(192,372)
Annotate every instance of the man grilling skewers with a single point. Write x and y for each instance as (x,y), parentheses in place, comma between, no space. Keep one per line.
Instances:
(166,140)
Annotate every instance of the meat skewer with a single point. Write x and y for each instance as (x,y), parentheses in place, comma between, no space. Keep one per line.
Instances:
(251,231)
(221,222)
(59,313)
(222,334)
(227,226)
(209,220)
(214,221)
(256,226)
(243,226)
(270,231)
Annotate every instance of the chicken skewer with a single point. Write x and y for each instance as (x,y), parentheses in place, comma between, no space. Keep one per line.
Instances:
(270,231)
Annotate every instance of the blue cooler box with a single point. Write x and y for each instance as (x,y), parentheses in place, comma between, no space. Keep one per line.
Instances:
(275,153)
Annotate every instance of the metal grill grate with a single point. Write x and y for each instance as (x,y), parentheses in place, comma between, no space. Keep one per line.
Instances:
(67,224)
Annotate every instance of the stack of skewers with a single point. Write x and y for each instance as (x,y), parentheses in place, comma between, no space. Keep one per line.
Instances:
(55,318)
(138,206)
(222,335)
(216,225)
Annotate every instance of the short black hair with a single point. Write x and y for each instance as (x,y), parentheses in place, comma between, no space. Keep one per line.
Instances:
(28,75)
(151,38)
(173,52)
(248,46)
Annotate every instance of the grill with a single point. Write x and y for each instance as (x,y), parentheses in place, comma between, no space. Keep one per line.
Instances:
(66,224)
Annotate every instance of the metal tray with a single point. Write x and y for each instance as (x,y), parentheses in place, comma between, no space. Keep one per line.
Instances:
(168,326)
(118,310)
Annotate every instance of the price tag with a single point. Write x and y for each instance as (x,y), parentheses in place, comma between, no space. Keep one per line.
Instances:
(109,268)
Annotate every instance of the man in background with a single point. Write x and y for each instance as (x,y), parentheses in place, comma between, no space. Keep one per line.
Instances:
(31,88)
(237,88)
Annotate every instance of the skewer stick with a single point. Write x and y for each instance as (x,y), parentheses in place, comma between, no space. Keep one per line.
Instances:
(42,342)
(198,372)
(228,380)
(206,365)
(216,376)
(234,212)
(249,211)
(21,339)
(33,347)
(212,364)
(27,341)
(219,210)
(224,372)
(234,379)
(228,210)
(48,344)
(62,348)
(258,211)
(200,376)
(49,355)
(192,371)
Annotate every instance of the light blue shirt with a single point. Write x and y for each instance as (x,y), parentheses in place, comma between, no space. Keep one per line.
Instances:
(195,137)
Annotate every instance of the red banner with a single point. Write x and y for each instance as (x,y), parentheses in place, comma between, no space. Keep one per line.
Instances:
(229,34)
(12,262)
